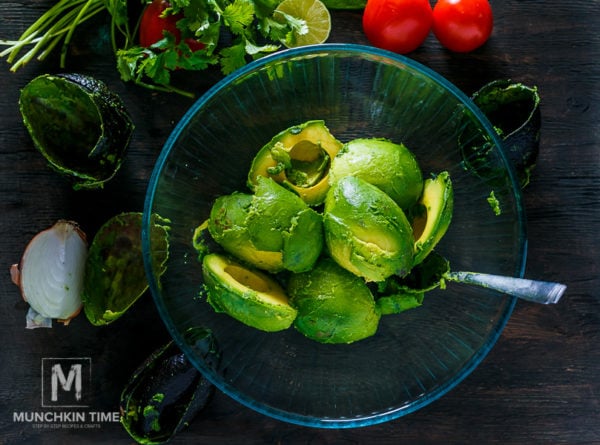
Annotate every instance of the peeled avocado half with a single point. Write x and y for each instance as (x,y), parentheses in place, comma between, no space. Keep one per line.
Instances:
(389,166)
(273,229)
(248,295)
(334,305)
(227,225)
(366,232)
(298,158)
(432,215)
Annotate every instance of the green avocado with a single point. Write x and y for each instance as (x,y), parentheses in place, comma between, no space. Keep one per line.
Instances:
(298,158)
(273,229)
(432,215)
(366,232)
(334,306)
(391,167)
(227,226)
(248,295)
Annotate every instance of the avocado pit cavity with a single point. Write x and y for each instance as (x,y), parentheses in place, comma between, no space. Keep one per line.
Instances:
(309,164)
(255,282)
(298,158)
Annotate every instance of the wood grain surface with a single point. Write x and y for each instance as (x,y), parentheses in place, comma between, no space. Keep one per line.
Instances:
(541,382)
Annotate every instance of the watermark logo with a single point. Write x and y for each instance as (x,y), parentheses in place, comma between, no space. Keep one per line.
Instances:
(66,382)
(66,397)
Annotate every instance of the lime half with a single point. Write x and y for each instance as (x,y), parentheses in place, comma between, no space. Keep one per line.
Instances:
(314,21)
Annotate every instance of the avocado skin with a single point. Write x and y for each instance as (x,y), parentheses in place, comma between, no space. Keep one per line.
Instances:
(115,276)
(166,391)
(78,124)
(513,109)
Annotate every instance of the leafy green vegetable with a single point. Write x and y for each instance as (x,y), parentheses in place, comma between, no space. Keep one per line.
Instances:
(233,32)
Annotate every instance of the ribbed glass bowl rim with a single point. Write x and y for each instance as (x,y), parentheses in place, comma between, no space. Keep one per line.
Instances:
(223,84)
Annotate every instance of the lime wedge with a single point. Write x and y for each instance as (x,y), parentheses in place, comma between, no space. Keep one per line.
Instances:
(315,16)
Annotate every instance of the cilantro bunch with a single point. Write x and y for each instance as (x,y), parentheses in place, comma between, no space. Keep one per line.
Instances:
(233,32)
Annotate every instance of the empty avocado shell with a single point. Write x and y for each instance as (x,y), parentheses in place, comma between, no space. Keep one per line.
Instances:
(115,277)
(166,392)
(513,109)
(79,126)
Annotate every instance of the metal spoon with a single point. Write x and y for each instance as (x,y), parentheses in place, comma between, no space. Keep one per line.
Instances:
(536,291)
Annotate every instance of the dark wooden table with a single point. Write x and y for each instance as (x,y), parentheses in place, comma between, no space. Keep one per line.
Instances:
(541,382)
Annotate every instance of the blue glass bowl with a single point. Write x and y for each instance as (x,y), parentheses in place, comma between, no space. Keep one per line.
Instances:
(417,356)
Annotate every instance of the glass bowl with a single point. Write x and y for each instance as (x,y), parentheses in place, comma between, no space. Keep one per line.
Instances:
(416,356)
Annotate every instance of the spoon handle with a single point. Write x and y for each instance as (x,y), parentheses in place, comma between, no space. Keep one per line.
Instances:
(536,291)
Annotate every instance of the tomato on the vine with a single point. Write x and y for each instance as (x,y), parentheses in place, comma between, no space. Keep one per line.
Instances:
(462,25)
(153,26)
(397,25)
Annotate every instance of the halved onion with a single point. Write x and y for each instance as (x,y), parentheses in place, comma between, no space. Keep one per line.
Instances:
(50,274)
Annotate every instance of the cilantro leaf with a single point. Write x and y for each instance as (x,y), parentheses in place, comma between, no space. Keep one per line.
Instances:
(233,57)
(239,15)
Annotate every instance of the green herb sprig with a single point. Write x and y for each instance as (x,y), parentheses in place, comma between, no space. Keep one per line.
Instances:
(247,27)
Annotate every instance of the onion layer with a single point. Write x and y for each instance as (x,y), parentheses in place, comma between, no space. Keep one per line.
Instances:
(51,272)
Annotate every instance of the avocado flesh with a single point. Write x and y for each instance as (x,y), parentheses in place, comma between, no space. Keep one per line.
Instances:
(366,232)
(282,222)
(389,166)
(334,306)
(246,294)
(299,158)
(227,226)
(271,212)
(303,241)
(273,229)
(433,215)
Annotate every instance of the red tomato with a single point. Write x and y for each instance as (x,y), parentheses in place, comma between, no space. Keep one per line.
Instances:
(153,26)
(397,25)
(462,25)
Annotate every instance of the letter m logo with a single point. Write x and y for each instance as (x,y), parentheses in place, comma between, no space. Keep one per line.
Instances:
(65,381)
